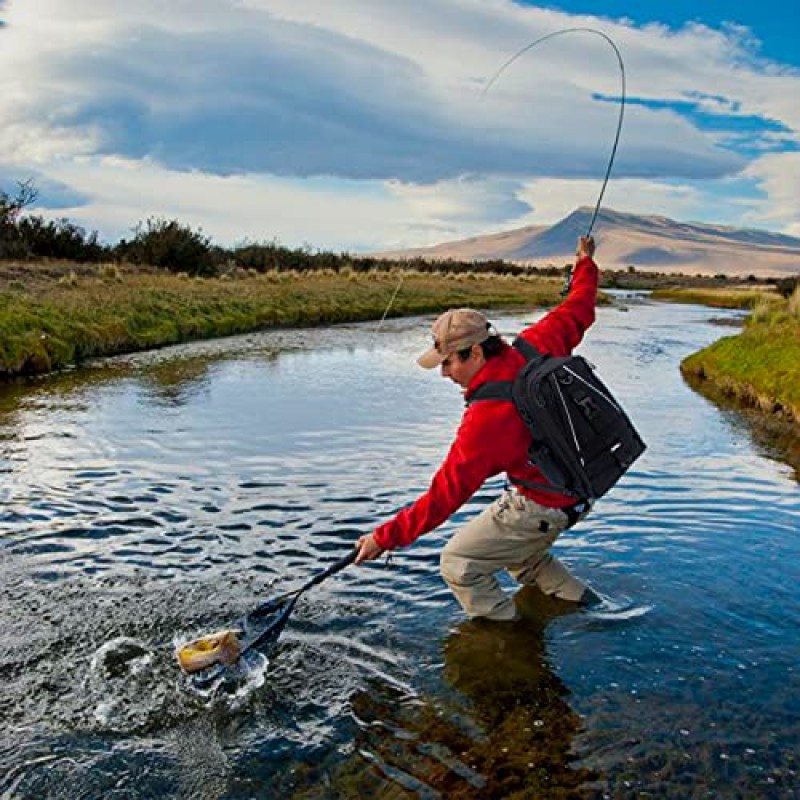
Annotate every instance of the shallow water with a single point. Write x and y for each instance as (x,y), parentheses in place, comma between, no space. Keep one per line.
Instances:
(158,496)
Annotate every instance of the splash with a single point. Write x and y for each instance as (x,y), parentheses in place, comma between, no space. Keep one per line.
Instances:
(123,684)
(234,686)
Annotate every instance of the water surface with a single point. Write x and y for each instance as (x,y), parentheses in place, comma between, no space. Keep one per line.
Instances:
(161,495)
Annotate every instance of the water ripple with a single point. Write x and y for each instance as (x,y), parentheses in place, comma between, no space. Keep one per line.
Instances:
(163,495)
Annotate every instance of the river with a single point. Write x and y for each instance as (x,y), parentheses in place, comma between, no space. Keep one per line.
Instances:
(157,496)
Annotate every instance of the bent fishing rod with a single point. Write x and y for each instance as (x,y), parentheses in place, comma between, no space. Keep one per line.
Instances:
(491,82)
(620,118)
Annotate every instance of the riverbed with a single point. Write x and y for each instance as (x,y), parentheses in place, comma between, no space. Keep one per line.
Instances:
(149,498)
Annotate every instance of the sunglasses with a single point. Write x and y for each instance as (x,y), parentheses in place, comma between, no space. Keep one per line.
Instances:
(461,355)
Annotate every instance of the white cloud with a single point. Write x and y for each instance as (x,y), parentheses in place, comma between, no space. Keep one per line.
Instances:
(229,208)
(361,123)
(463,200)
(778,176)
(249,91)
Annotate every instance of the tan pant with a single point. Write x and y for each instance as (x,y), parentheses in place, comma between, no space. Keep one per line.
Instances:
(513,533)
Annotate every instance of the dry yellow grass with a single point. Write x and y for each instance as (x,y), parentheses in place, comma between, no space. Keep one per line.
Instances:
(58,314)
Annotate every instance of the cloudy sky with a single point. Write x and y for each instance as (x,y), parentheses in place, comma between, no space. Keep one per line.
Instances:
(364,124)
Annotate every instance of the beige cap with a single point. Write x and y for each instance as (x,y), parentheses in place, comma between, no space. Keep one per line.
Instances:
(453,331)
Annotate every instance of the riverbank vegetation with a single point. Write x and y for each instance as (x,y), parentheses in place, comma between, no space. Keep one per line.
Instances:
(66,297)
(760,366)
(743,296)
(57,315)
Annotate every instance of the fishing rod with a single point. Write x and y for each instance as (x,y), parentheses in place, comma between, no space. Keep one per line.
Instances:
(617,134)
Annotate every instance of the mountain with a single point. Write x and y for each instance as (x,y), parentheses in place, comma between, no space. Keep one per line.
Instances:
(648,243)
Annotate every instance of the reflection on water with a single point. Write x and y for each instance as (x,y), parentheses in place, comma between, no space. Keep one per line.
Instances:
(775,436)
(500,724)
(159,495)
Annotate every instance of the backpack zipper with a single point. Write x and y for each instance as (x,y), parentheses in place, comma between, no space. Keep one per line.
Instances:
(571,427)
(594,389)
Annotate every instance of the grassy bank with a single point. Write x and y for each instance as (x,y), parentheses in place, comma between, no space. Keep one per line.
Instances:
(733,297)
(761,366)
(53,317)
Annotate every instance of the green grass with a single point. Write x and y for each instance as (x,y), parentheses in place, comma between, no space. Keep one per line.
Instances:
(760,366)
(744,297)
(48,322)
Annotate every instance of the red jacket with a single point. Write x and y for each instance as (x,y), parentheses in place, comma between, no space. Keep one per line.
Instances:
(492,438)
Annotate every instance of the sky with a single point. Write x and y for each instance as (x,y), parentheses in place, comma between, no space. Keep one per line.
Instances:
(366,125)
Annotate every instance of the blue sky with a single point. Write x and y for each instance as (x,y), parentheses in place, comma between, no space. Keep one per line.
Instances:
(362,124)
(771,23)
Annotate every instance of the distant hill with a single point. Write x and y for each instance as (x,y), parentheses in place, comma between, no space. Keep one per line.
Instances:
(648,243)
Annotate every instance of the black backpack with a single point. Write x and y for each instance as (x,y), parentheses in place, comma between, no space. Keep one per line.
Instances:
(583,442)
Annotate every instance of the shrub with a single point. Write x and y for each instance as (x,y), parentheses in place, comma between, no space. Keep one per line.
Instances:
(11,243)
(787,286)
(170,245)
(59,239)
(260,257)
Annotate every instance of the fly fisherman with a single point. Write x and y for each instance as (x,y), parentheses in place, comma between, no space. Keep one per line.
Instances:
(516,531)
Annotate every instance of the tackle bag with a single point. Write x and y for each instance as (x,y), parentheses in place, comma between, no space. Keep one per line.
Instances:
(583,442)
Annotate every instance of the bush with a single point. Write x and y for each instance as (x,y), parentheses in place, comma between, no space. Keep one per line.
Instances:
(170,245)
(31,237)
(787,286)
(59,239)
(12,244)
(265,257)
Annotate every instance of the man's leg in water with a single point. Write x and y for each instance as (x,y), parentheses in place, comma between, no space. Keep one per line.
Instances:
(544,569)
(512,533)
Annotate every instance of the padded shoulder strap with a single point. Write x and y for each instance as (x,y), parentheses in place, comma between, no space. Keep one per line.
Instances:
(491,390)
(527,349)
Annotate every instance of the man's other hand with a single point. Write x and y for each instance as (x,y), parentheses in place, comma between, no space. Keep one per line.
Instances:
(368,549)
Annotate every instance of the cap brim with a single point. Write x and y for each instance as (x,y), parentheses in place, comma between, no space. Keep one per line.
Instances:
(431,358)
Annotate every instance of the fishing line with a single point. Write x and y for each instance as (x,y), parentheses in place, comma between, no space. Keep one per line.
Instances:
(617,134)
(391,303)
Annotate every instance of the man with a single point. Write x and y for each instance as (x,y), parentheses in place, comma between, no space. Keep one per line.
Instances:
(516,531)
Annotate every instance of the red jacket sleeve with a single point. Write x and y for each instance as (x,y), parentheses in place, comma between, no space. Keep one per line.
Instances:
(465,468)
(562,329)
